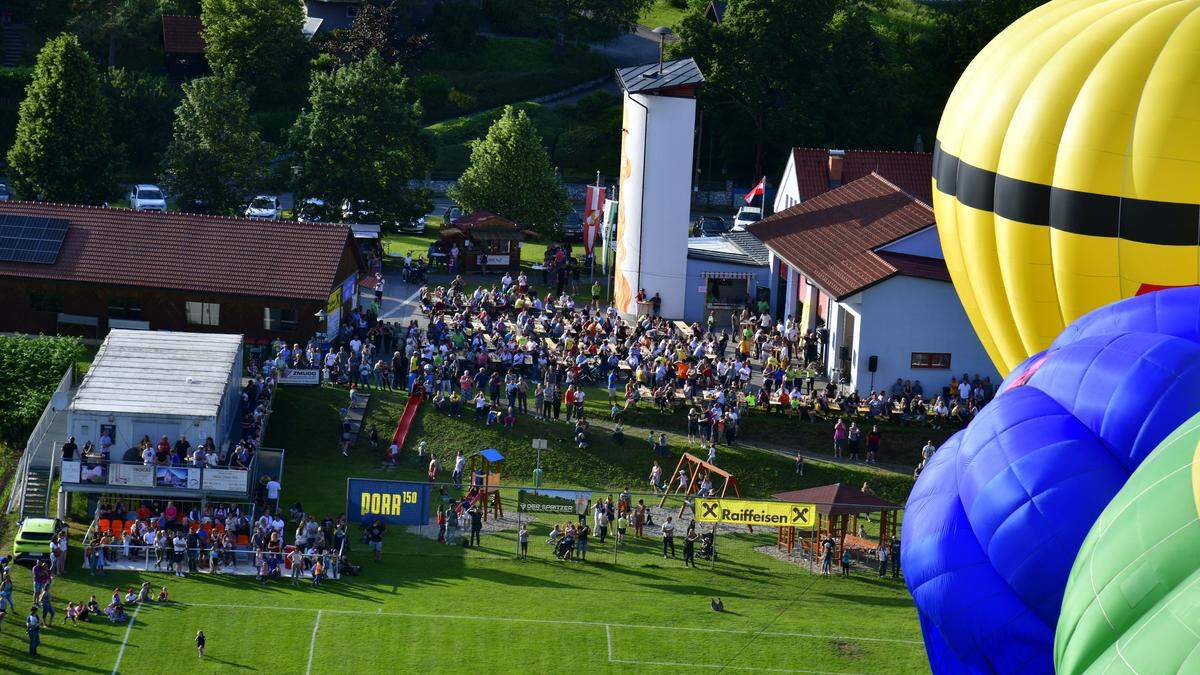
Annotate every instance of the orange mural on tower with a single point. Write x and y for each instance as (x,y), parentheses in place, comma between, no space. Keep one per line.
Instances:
(622,293)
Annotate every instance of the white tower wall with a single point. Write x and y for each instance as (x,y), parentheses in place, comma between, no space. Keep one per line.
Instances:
(655,201)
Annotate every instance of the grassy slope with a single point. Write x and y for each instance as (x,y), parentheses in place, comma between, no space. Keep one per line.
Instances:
(509,69)
(456,608)
(661,13)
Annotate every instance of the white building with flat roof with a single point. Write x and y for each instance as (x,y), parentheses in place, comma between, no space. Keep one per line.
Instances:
(155,384)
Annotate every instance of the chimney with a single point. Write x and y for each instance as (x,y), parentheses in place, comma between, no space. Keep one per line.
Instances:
(836,157)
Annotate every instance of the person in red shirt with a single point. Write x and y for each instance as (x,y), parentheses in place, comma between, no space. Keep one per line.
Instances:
(569,401)
(873,439)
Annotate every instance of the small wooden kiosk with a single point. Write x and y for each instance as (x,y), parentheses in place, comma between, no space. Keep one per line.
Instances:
(838,509)
(487,242)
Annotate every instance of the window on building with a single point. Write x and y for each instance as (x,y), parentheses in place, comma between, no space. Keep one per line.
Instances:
(125,308)
(279,319)
(930,360)
(203,313)
(41,301)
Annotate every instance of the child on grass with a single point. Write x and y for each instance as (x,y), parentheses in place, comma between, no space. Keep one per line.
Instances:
(200,643)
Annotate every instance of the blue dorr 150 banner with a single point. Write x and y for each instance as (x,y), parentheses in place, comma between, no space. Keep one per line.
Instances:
(391,501)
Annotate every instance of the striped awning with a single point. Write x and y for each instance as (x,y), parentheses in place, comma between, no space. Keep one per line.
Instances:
(727,275)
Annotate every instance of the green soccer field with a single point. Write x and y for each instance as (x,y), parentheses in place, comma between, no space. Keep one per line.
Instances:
(431,607)
(435,608)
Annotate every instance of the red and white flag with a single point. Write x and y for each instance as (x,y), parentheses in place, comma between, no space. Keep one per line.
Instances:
(758,190)
(593,214)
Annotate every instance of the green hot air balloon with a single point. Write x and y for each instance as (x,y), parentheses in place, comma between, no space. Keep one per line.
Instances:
(1132,603)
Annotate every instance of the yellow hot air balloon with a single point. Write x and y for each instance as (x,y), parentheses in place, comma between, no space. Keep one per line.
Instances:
(1067,167)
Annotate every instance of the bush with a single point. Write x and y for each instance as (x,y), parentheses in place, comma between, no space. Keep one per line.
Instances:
(30,369)
(678,4)
(454,26)
(461,100)
(434,92)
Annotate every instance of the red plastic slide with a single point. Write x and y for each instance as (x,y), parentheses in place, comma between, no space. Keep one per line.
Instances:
(406,419)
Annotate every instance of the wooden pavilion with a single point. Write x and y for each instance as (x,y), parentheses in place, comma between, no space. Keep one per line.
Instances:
(838,508)
(488,242)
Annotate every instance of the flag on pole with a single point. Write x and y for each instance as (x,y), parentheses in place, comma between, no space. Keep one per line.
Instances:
(760,189)
(593,212)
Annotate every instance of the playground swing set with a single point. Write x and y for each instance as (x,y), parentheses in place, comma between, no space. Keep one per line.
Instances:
(695,466)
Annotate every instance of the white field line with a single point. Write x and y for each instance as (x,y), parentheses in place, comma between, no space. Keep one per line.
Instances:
(312,643)
(611,659)
(561,622)
(125,641)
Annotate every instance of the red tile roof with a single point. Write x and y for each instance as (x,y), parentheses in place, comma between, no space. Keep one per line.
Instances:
(837,499)
(181,34)
(916,265)
(912,171)
(189,252)
(483,220)
(832,237)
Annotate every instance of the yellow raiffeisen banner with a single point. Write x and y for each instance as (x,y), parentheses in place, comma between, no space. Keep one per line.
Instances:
(749,512)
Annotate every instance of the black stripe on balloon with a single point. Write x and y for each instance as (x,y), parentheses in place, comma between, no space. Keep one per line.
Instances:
(1097,215)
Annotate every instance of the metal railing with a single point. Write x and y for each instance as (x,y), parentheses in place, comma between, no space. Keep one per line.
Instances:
(30,457)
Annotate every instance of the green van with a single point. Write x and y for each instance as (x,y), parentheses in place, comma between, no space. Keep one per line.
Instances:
(33,539)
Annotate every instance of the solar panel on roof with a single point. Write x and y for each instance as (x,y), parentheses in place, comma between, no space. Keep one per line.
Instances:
(31,239)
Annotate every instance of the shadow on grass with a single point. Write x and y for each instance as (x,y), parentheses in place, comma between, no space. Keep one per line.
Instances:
(869,600)
(13,658)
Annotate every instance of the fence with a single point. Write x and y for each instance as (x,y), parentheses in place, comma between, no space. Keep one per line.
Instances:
(854,528)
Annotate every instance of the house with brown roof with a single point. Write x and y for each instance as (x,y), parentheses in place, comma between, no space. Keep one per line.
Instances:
(83,270)
(811,171)
(183,45)
(861,264)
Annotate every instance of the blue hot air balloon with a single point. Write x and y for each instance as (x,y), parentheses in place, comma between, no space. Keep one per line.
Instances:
(997,517)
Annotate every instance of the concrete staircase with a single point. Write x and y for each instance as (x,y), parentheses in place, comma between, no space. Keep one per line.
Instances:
(36,498)
(14,45)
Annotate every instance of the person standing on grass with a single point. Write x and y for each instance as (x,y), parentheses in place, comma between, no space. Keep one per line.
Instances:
(375,539)
(668,536)
(48,612)
(845,562)
(523,540)
(853,436)
(33,628)
(799,464)
(581,541)
(346,430)
(601,520)
(873,439)
(689,545)
(826,555)
(622,526)
(200,643)
(476,524)
(639,518)
(655,475)
(883,559)
(460,461)
(839,437)
(297,560)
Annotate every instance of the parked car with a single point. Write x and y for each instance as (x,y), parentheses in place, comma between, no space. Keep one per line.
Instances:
(5,194)
(311,210)
(365,213)
(414,226)
(747,215)
(572,226)
(711,226)
(451,214)
(33,539)
(263,207)
(147,197)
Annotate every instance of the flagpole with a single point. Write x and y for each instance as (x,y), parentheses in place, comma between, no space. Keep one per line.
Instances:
(764,196)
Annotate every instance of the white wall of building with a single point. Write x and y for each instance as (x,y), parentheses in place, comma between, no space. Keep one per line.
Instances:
(656,181)
(924,243)
(788,193)
(903,315)
(131,427)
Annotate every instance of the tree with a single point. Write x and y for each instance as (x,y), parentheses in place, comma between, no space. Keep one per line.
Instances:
(360,139)
(762,60)
(385,30)
(216,156)
(142,108)
(257,43)
(103,24)
(574,20)
(510,175)
(62,150)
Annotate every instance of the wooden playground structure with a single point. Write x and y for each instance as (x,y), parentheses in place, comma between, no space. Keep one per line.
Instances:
(838,509)
(695,465)
(484,468)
